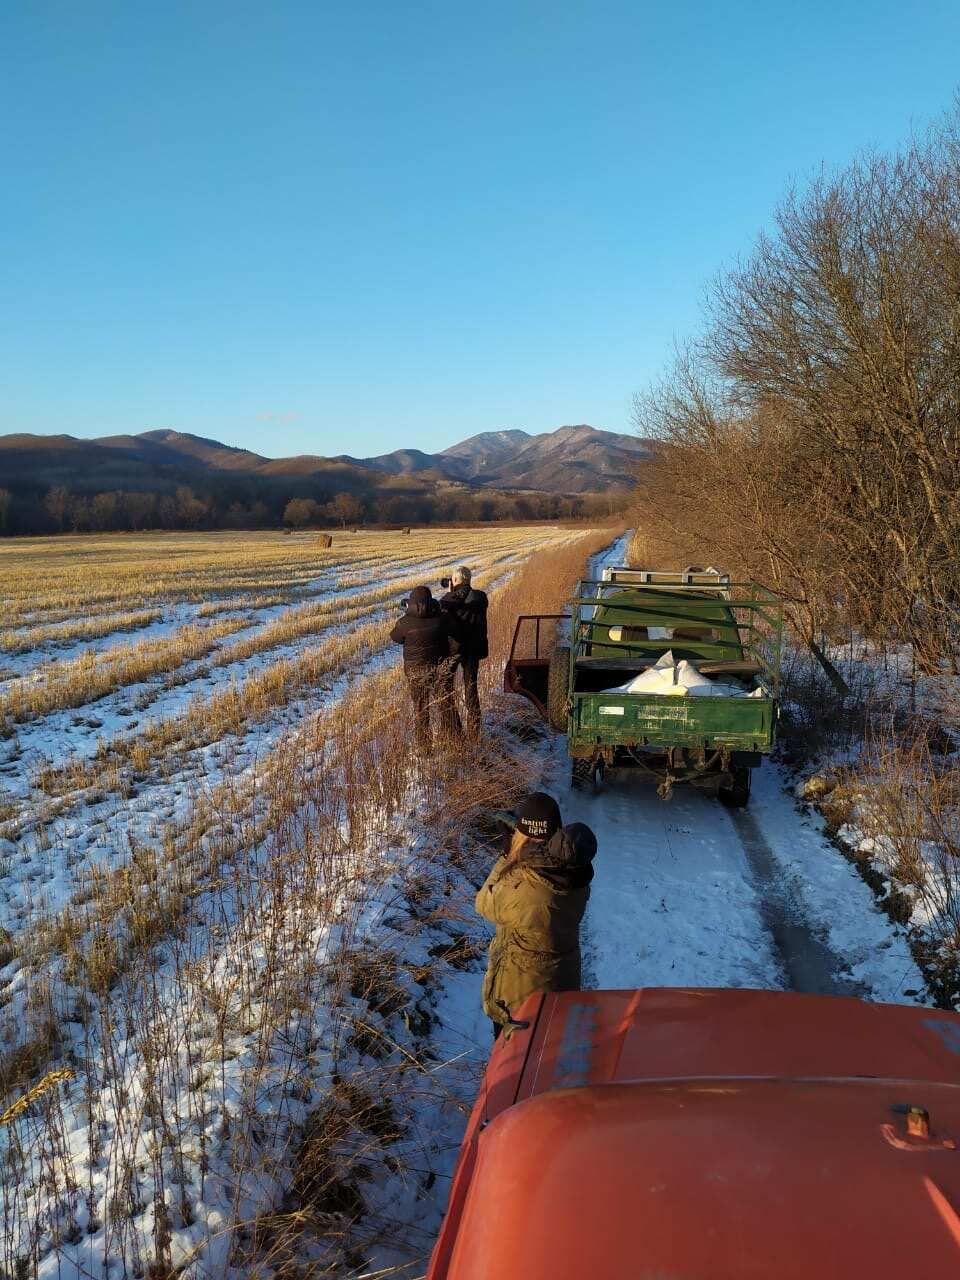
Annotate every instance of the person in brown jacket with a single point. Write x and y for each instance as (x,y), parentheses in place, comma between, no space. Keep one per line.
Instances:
(536,895)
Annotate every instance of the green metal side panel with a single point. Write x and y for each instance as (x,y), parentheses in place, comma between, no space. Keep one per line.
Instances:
(658,720)
(744,623)
(650,607)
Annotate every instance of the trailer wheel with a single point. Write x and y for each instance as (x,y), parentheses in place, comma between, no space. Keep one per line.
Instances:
(581,771)
(588,775)
(737,795)
(558,686)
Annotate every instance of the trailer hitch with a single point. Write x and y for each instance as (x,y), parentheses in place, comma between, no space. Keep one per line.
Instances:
(671,779)
(665,789)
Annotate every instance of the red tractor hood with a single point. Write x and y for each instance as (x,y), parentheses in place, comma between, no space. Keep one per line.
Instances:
(709,1134)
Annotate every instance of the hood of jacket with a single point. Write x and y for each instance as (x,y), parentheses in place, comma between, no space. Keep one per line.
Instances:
(464,595)
(565,860)
(421,603)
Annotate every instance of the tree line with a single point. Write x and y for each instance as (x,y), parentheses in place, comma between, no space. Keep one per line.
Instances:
(810,438)
(60,510)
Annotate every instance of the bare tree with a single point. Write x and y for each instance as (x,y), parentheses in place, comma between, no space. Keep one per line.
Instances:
(103,511)
(347,508)
(57,505)
(190,510)
(300,512)
(813,434)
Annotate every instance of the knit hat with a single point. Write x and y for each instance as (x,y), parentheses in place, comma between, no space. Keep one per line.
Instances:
(538,816)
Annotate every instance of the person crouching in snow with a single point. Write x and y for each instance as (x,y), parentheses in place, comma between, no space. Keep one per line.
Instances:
(536,895)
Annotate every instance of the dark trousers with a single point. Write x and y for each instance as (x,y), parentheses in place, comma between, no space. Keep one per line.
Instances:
(431,694)
(470,668)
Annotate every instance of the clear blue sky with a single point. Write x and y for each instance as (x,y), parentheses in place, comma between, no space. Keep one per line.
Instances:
(346,227)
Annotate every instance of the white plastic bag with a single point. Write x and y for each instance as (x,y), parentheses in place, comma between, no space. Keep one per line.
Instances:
(679,680)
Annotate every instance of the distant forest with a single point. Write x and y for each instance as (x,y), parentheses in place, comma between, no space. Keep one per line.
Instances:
(236,505)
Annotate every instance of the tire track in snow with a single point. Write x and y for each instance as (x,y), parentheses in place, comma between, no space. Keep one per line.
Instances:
(688,893)
(808,961)
(673,902)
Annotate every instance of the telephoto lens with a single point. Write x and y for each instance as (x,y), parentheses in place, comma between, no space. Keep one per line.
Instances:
(445,583)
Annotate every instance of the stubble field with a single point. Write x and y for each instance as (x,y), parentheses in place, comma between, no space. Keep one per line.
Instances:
(204,755)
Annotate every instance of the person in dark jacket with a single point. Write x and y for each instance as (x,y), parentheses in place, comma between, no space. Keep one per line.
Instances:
(468,607)
(536,895)
(424,631)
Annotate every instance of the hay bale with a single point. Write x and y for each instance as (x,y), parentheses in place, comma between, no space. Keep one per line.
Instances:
(325,540)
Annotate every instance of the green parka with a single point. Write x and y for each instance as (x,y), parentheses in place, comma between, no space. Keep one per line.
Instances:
(537,904)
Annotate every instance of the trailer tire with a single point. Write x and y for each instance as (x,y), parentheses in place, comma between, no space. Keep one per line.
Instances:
(587,775)
(581,772)
(558,685)
(737,795)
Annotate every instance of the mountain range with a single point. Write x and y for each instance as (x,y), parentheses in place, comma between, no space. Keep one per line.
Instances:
(571,460)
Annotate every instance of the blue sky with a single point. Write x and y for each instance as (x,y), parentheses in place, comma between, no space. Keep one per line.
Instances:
(350,227)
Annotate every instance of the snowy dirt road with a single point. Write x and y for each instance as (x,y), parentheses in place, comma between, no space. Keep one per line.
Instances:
(688,893)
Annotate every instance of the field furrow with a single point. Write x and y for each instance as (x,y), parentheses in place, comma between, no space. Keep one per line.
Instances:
(190,846)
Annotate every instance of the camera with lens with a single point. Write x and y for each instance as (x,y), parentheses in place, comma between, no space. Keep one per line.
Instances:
(446,583)
(403,605)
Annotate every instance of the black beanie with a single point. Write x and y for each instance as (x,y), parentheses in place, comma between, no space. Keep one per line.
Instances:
(539,816)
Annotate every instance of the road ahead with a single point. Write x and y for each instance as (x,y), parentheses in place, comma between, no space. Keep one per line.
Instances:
(689,893)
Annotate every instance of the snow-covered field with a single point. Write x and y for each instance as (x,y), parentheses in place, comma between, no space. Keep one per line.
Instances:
(148,779)
(97,750)
(241,918)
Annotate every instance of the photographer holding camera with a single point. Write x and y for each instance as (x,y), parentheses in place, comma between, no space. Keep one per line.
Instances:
(467,609)
(536,895)
(425,632)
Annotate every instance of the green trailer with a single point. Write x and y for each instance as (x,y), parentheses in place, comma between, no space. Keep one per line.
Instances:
(573,667)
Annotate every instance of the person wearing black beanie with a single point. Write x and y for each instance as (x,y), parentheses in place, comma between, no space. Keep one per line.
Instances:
(536,895)
(538,816)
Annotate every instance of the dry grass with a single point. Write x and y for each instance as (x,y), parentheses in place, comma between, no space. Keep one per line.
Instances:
(896,814)
(235,709)
(215,989)
(50,580)
(544,584)
(62,633)
(63,576)
(228,712)
(321,834)
(56,686)
(888,784)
